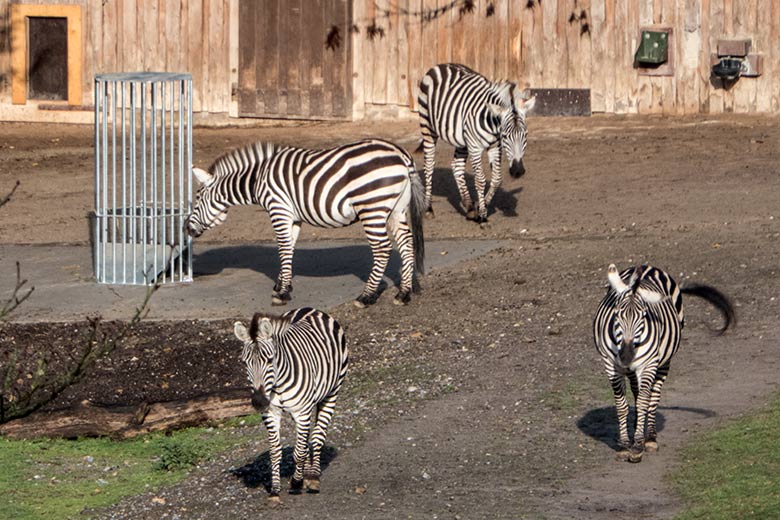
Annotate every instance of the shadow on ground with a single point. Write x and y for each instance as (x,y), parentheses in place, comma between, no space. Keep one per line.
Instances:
(258,472)
(315,262)
(444,186)
(602,423)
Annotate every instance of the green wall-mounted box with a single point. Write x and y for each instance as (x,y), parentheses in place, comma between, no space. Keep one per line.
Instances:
(653,48)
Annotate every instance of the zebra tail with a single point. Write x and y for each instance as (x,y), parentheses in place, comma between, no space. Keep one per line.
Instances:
(717,298)
(416,210)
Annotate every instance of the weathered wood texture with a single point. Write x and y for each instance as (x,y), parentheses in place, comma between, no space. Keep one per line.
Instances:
(539,44)
(145,35)
(86,420)
(566,44)
(286,67)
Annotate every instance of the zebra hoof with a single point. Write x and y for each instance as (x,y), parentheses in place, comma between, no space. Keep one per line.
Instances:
(622,455)
(274,501)
(429,213)
(483,223)
(402,298)
(280,298)
(635,456)
(651,446)
(312,485)
(472,214)
(296,486)
(362,301)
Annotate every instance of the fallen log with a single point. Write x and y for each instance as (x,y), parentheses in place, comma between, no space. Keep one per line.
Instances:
(123,422)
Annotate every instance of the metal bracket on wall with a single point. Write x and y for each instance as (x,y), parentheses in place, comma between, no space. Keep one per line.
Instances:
(666,68)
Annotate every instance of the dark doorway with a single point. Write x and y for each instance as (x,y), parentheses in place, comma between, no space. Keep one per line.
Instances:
(48,58)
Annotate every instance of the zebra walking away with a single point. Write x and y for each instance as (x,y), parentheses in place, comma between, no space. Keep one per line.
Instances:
(296,363)
(473,114)
(370,181)
(637,331)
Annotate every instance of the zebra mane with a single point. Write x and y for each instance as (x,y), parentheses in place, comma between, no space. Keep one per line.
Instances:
(504,91)
(279,323)
(242,157)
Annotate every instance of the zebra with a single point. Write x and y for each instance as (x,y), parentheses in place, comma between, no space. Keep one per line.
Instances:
(371,181)
(470,112)
(637,331)
(296,363)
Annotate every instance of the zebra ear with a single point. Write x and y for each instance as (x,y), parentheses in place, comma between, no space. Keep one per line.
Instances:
(203,176)
(525,105)
(651,297)
(241,332)
(264,329)
(497,110)
(615,281)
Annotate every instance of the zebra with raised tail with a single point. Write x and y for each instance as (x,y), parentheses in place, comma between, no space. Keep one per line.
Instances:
(473,114)
(637,332)
(370,181)
(296,363)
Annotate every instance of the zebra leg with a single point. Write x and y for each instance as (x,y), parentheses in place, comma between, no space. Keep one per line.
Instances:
(459,172)
(311,475)
(272,419)
(429,148)
(475,157)
(404,241)
(381,248)
(287,232)
(646,381)
(301,451)
(494,158)
(651,438)
(618,383)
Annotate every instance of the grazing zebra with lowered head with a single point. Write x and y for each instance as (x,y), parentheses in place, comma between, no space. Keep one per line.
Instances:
(296,364)
(473,114)
(370,181)
(637,331)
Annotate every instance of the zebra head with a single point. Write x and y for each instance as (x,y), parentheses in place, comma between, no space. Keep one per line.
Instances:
(633,310)
(210,207)
(514,132)
(258,355)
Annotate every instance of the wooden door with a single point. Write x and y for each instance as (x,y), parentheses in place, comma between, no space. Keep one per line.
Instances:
(285,68)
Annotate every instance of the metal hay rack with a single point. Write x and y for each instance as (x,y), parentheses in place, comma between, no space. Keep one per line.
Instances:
(143,178)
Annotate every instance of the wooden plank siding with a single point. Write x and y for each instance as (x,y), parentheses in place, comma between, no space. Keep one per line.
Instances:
(145,35)
(538,44)
(583,44)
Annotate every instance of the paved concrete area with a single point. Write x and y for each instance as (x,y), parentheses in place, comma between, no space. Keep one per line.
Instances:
(229,281)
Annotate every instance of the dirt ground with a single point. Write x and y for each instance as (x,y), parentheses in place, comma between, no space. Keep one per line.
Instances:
(484,398)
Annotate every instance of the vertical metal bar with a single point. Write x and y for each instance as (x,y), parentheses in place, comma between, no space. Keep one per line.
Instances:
(164,183)
(180,212)
(153,141)
(124,186)
(189,174)
(144,208)
(104,152)
(172,204)
(133,178)
(113,179)
(96,223)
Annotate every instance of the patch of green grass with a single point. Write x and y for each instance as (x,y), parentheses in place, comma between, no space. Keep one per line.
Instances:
(52,479)
(734,472)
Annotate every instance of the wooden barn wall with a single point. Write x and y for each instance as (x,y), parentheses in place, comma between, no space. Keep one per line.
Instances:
(568,44)
(147,35)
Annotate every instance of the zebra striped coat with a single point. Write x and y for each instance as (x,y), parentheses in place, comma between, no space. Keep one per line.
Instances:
(637,331)
(296,363)
(370,181)
(473,114)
